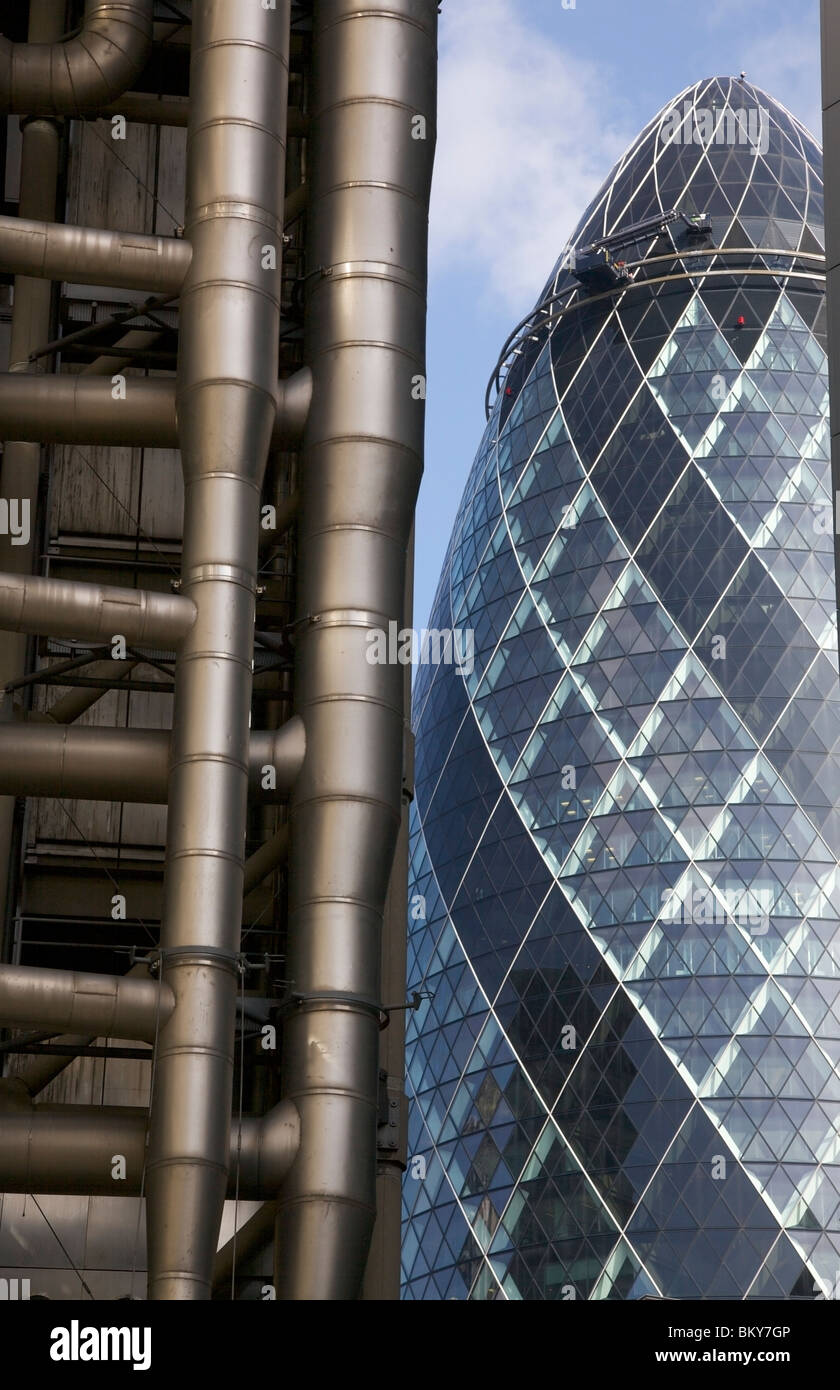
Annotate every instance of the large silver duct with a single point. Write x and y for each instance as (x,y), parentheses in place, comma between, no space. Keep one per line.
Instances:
(71,1149)
(83,72)
(104,1006)
(227,375)
(93,612)
(84,409)
(40,1069)
(89,256)
(366,171)
(49,759)
(30,327)
(174,110)
(371,149)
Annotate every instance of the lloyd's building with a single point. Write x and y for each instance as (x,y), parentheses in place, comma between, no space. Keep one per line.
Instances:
(625,922)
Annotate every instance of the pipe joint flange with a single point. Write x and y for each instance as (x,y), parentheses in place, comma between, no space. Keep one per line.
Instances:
(348,617)
(372,270)
(227,574)
(56,121)
(216,956)
(335,999)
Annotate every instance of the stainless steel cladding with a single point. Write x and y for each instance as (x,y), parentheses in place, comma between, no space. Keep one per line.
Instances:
(372,129)
(226,404)
(328,430)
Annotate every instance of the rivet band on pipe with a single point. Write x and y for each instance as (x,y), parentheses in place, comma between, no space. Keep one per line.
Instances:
(350,617)
(334,999)
(215,956)
(232,574)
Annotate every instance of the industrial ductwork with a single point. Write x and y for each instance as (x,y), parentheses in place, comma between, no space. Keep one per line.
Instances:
(84,410)
(106,1006)
(93,612)
(81,73)
(89,256)
(371,152)
(362,184)
(42,759)
(227,379)
(71,1148)
(174,110)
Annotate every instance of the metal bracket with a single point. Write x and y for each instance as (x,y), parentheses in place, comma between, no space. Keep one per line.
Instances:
(392,1116)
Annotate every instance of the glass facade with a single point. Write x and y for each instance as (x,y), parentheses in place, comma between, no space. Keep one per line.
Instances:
(625,894)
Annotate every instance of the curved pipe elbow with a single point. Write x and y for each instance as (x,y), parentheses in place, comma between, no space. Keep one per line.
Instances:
(294,399)
(276,758)
(83,73)
(266,1148)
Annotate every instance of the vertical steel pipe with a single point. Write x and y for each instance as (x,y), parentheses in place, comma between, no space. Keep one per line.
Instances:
(226,403)
(30,327)
(382,1274)
(371,150)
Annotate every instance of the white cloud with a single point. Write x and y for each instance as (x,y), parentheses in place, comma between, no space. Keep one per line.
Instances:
(526,137)
(786,63)
(781,54)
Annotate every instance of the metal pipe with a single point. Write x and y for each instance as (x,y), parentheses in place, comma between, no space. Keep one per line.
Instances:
(296,204)
(69,761)
(50,759)
(371,145)
(285,519)
(152,109)
(40,1069)
(279,751)
(252,1237)
(84,72)
(71,1149)
(31,324)
(90,256)
(80,337)
(75,702)
(382,1274)
(83,409)
(105,1006)
(35,1073)
(227,385)
(93,612)
(294,400)
(148,108)
(136,338)
(266,859)
(36,1070)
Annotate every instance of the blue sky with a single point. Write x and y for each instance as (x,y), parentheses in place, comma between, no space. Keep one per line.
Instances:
(537,102)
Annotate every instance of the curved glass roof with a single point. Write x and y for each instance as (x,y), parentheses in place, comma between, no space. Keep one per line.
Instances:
(625,912)
(760,180)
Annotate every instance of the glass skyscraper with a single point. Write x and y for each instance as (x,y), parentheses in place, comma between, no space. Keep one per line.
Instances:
(625,894)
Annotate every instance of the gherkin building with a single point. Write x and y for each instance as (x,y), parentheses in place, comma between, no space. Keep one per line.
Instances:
(624,924)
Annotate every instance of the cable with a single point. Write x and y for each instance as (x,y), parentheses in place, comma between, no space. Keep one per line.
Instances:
(110,146)
(103,866)
(64,1249)
(133,519)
